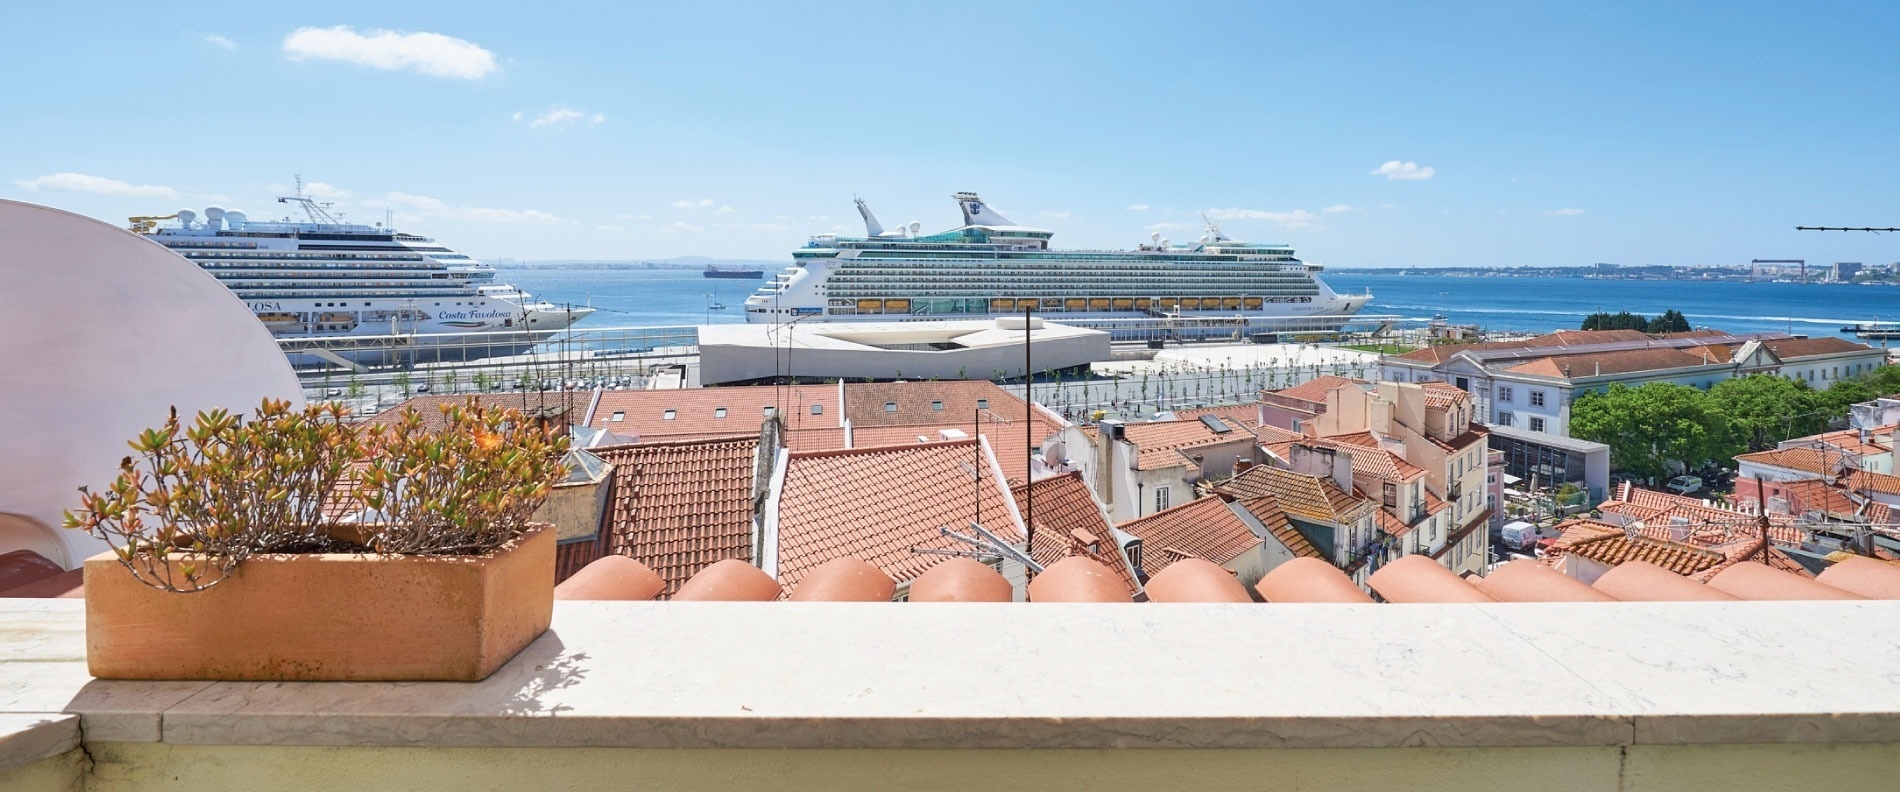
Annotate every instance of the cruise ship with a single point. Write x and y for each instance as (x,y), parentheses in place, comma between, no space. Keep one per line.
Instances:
(329,285)
(990,266)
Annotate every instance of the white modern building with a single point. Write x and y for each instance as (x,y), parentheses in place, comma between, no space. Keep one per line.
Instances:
(945,350)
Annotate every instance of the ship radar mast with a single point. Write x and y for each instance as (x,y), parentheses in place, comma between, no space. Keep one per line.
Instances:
(1214,233)
(871,226)
(319,213)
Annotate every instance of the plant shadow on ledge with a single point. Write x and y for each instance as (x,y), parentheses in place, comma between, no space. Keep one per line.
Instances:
(298,546)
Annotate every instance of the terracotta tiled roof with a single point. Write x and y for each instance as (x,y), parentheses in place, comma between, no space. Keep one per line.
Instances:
(876,504)
(1267,510)
(1006,443)
(1376,462)
(1064,505)
(1244,416)
(1806,460)
(1365,439)
(921,403)
(1847,440)
(1719,353)
(1592,364)
(430,406)
(1580,337)
(1439,353)
(1443,395)
(1615,547)
(1160,442)
(1201,528)
(1868,481)
(700,413)
(1786,348)
(1274,434)
(1315,389)
(1390,524)
(1748,551)
(1314,498)
(680,506)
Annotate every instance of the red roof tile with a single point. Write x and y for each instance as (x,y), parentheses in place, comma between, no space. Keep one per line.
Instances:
(1160,442)
(570,404)
(877,504)
(1202,528)
(1064,505)
(681,506)
(1314,498)
(1594,364)
(703,413)
(1315,389)
(1786,348)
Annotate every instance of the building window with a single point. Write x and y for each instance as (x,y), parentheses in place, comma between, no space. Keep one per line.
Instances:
(1537,398)
(668,415)
(1504,393)
(618,416)
(937,405)
(719,412)
(1161,498)
(1537,424)
(817,409)
(1504,419)
(1391,496)
(769,409)
(982,404)
(890,406)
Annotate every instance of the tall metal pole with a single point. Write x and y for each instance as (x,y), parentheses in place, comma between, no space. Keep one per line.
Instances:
(1029,440)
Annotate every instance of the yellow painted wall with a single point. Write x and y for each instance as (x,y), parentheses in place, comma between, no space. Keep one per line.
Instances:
(63,773)
(158,767)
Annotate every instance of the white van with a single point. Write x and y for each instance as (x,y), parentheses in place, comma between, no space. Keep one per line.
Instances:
(1520,535)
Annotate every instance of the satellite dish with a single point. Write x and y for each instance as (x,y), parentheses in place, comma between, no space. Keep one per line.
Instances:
(187,217)
(915,227)
(234,219)
(89,391)
(1154,236)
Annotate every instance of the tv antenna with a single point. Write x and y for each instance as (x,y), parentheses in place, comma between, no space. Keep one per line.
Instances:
(1842,228)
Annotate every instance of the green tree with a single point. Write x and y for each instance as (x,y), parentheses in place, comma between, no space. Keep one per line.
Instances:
(1884,380)
(1844,393)
(1763,410)
(402,381)
(1651,429)
(1671,321)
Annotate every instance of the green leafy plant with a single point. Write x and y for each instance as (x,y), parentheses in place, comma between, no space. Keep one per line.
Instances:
(221,490)
(196,501)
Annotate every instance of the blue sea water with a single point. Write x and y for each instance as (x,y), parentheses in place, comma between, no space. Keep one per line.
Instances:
(1542,304)
(680,297)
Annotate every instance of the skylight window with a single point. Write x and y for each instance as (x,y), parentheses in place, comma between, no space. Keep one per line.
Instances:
(618,416)
(982,404)
(817,409)
(719,412)
(890,406)
(668,415)
(768,410)
(937,405)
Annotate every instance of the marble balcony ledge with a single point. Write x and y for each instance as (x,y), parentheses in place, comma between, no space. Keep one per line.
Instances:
(828,675)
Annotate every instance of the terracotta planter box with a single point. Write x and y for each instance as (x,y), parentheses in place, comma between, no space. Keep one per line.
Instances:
(326,617)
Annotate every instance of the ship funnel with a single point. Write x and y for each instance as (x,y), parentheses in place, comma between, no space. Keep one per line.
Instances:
(975,212)
(214,218)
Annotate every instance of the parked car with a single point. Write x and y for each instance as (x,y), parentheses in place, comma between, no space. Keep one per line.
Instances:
(1683,485)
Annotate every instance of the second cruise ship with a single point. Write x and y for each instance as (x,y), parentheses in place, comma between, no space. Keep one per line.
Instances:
(326,285)
(990,266)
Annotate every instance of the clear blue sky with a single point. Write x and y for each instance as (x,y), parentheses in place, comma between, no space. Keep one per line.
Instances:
(1553,133)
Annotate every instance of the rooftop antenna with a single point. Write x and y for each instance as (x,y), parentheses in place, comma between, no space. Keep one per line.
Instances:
(318,213)
(1839,228)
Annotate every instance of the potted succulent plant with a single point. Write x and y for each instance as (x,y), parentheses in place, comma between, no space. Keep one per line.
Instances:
(299,546)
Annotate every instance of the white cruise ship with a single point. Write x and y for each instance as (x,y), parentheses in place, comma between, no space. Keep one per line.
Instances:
(990,266)
(331,284)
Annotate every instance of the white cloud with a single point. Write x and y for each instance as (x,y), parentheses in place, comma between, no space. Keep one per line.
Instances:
(429,53)
(97,185)
(679,227)
(688,203)
(1339,209)
(1563,212)
(1296,220)
(1055,213)
(771,227)
(1403,171)
(610,228)
(1137,207)
(517,116)
(216,40)
(727,209)
(425,206)
(562,116)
